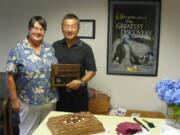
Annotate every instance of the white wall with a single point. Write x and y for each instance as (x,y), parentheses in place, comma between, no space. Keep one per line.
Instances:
(135,92)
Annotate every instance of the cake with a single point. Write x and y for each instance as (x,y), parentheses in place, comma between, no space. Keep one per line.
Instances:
(83,123)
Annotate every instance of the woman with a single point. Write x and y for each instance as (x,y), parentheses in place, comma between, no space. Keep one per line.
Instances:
(28,77)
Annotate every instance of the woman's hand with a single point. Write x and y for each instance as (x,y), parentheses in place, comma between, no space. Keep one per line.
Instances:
(15,105)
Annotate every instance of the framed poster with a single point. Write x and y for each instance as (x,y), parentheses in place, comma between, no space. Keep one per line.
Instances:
(87,29)
(133,37)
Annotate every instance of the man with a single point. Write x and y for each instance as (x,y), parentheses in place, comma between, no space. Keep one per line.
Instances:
(71,50)
(28,75)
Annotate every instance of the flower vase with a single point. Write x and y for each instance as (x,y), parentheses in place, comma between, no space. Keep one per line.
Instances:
(173,115)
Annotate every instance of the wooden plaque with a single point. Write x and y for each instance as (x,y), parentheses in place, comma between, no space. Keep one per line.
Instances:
(62,74)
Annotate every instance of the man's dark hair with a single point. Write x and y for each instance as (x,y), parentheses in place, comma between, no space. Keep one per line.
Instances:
(70,16)
(38,19)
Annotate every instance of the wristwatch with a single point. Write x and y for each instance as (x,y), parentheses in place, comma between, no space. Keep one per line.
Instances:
(83,83)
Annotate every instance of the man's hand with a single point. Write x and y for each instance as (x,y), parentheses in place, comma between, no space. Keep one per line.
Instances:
(74,84)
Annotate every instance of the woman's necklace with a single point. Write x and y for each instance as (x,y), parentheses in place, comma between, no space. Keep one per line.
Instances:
(35,47)
(37,50)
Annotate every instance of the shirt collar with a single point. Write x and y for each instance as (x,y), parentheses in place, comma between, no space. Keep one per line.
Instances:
(77,42)
(27,45)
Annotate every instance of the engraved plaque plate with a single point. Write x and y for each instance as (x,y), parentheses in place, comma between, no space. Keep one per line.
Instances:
(62,74)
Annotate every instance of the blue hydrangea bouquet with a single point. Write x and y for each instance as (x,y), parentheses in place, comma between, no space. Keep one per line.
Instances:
(169,92)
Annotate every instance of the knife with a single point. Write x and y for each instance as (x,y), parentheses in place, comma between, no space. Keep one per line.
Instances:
(140,124)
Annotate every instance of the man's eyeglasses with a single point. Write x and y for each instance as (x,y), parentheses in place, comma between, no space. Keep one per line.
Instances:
(66,27)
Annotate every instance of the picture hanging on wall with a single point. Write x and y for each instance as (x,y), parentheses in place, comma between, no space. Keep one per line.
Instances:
(133,37)
(87,29)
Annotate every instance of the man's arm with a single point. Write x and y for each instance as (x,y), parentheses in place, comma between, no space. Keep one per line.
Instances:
(13,93)
(88,76)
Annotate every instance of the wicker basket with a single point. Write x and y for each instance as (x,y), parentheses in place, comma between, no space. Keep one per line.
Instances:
(99,103)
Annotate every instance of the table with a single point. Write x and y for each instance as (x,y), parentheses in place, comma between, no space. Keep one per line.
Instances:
(109,123)
(146,114)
